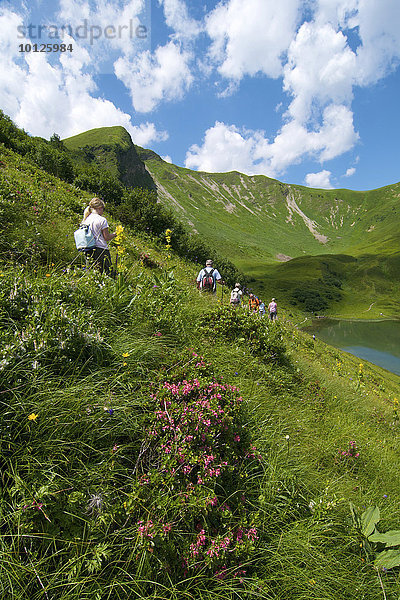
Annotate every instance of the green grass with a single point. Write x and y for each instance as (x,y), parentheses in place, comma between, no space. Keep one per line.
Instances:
(249,217)
(107,136)
(259,222)
(76,345)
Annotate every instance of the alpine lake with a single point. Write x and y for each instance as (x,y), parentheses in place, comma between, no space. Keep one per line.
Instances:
(375,341)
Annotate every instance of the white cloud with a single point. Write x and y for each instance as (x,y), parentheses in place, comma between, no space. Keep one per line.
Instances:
(319,180)
(163,76)
(167,158)
(104,25)
(379,31)
(337,134)
(251,37)
(146,133)
(350,172)
(12,68)
(52,99)
(340,13)
(178,19)
(226,148)
(320,70)
(323,68)
(44,98)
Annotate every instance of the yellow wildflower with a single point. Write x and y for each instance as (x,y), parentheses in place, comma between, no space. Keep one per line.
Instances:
(32,417)
(125,354)
(168,234)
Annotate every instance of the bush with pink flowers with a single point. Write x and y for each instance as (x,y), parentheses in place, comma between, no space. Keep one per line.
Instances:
(188,503)
(348,457)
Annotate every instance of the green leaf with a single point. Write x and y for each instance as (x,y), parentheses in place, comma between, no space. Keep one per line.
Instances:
(390,538)
(354,514)
(369,519)
(388,559)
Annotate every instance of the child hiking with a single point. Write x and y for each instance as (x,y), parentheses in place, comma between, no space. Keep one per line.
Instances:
(236,295)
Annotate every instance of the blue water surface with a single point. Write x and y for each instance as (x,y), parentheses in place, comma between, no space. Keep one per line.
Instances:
(375,341)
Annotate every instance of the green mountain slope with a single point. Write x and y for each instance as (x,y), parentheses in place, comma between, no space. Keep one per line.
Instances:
(341,246)
(156,443)
(110,148)
(279,219)
(262,225)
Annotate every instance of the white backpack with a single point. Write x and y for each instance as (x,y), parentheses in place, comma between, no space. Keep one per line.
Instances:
(235,296)
(84,238)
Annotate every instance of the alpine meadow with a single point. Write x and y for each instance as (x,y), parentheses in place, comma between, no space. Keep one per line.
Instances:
(335,250)
(158,443)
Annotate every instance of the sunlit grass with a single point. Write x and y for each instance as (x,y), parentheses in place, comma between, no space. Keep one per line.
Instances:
(73,433)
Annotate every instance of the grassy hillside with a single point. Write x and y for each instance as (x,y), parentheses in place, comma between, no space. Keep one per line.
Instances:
(280,219)
(157,444)
(111,149)
(345,243)
(108,136)
(262,224)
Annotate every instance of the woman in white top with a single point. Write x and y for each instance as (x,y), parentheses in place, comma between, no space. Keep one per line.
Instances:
(93,216)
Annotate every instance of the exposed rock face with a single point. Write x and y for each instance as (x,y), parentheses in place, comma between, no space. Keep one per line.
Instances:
(132,170)
(112,149)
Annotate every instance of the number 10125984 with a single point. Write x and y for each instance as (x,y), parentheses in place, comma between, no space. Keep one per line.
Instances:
(45,48)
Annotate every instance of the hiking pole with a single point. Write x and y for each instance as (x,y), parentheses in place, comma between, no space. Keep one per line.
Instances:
(116,263)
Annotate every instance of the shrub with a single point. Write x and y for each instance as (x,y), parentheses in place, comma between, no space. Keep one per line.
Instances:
(312,299)
(187,506)
(263,338)
(45,325)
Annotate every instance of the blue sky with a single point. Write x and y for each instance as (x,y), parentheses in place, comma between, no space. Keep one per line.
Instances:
(305,91)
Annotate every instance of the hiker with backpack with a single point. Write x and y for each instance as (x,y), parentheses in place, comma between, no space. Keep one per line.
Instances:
(261,309)
(273,309)
(208,277)
(254,303)
(93,216)
(236,295)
